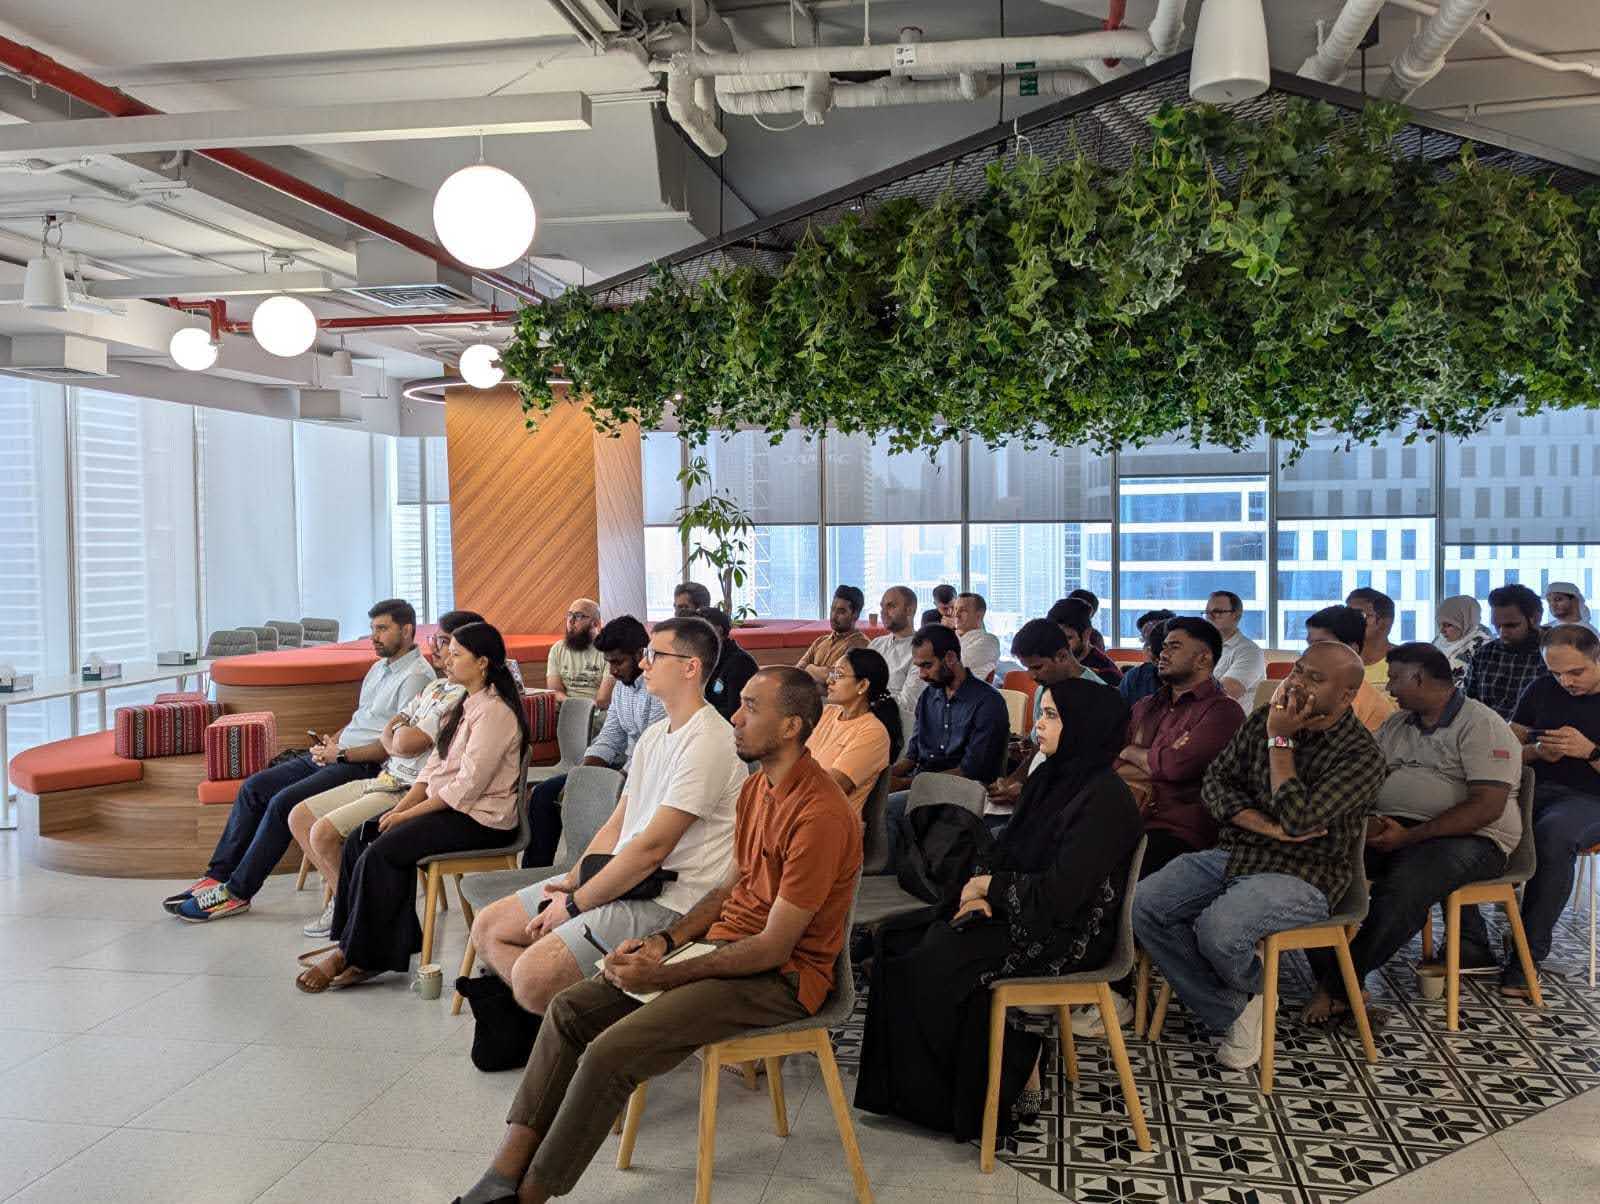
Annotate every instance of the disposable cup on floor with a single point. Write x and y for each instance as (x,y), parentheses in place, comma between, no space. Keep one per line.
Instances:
(1430,981)
(429,981)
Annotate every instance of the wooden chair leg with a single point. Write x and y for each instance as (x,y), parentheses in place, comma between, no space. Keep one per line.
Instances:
(991,1098)
(1141,996)
(305,868)
(1427,938)
(1119,1056)
(467,959)
(752,1080)
(841,1118)
(780,1110)
(1591,860)
(1069,1047)
(1158,1018)
(466,908)
(429,907)
(632,1115)
(1519,938)
(1452,963)
(706,1152)
(1352,990)
(1269,1011)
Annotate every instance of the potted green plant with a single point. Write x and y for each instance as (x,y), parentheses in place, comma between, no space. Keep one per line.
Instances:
(718,532)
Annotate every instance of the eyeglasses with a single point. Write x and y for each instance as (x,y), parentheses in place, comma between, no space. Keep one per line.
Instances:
(1212,612)
(840,675)
(577,615)
(650,655)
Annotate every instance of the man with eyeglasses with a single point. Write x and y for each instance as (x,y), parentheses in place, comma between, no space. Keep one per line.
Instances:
(575,668)
(1242,666)
(669,841)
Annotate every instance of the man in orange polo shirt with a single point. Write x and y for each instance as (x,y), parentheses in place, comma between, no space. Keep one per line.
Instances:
(779,923)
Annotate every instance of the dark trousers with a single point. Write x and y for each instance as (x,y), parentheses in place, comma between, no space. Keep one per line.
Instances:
(1565,822)
(597,1044)
(1404,885)
(375,915)
(257,835)
(544,813)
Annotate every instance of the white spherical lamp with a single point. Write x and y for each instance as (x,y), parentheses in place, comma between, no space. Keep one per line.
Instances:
(484,216)
(480,366)
(284,325)
(1230,60)
(192,349)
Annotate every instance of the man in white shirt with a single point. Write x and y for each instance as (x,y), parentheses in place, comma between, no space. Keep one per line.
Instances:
(980,651)
(675,816)
(898,611)
(1242,666)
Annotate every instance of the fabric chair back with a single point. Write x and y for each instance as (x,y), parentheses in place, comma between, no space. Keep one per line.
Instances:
(587,801)
(1263,694)
(1022,682)
(928,789)
(572,729)
(1352,905)
(1523,860)
(290,633)
(1016,710)
(266,638)
(231,641)
(875,827)
(320,631)
(1123,952)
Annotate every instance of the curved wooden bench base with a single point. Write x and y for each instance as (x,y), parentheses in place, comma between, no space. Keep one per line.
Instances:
(323,708)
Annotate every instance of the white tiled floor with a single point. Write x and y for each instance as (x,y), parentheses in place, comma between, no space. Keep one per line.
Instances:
(146,1060)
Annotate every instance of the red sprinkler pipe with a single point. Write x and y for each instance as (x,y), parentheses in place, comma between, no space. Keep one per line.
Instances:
(217,310)
(28,62)
(221,324)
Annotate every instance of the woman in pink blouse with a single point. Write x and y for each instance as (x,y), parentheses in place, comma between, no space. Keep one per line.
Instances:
(464,798)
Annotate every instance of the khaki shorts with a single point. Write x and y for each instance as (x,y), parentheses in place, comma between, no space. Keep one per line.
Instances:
(349,806)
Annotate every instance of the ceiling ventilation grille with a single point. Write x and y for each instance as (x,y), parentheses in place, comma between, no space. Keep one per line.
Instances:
(412,296)
(64,359)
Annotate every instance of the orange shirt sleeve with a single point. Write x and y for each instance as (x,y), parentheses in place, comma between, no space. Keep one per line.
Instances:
(811,862)
(865,753)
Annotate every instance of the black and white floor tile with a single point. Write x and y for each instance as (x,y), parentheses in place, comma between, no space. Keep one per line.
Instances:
(1334,1126)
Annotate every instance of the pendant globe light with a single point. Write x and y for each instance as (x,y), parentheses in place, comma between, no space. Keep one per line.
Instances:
(284,325)
(1230,61)
(484,216)
(480,366)
(192,349)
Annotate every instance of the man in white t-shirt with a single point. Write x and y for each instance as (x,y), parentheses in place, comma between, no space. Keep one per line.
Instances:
(898,612)
(675,816)
(1242,666)
(980,649)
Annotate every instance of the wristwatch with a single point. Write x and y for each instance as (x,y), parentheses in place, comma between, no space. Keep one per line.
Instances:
(341,758)
(573,909)
(671,944)
(1279,742)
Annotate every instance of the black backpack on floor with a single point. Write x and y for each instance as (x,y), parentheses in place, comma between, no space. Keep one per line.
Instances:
(504,1034)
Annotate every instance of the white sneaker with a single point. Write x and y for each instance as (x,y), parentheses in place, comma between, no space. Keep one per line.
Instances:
(1241,1048)
(1086,1021)
(322,925)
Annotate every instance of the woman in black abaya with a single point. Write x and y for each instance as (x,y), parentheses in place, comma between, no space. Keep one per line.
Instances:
(1046,903)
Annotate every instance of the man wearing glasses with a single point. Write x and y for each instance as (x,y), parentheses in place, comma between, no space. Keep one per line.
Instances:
(575,667)
(1242,666)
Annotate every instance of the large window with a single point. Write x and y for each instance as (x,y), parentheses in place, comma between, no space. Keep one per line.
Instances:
(876,556)
(419,519)
(1021,568)
(1392,555)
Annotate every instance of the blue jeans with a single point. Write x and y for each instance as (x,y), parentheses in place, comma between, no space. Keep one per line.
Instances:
(1201,927)
(1405,884)
(257,835)
(891,817)
(1565,821)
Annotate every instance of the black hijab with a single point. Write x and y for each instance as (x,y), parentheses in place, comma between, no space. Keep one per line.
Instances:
(1094,730)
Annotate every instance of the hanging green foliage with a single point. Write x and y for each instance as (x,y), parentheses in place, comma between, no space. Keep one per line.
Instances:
(1302,274)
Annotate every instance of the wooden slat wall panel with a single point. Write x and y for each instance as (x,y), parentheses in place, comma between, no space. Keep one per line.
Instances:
(522,509)
(619,517)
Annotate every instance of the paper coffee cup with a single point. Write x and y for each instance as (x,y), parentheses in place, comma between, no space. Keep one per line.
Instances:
(1430,981)
(429,981)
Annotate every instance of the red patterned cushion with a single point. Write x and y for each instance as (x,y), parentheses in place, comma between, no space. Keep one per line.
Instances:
(162,729)
(541,707)
(240,745)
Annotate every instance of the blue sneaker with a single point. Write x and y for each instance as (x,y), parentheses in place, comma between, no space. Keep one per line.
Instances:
(212,903)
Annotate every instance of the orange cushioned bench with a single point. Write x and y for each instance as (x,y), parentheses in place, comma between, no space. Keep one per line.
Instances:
(75,764)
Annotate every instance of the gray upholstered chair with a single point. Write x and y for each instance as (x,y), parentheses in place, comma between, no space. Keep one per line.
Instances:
(266,638)
(587,801)
(880,897)
(319,631)
(875,828)
(1091,987)
(231,641)
(290,633)
(572,738)
(771,1045)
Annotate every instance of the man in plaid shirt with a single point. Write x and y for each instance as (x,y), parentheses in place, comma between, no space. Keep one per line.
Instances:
(1291,791)
(1500,670)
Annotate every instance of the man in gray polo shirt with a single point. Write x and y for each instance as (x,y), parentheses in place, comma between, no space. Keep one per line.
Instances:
(1446,816)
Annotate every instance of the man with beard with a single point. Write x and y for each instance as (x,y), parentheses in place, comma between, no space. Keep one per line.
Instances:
(777,920)
(257,835)
(1075,618)
(633,708)
(575,667)
(962,724)
(1291,793)
(1501,669)
(896,610)
(825,650)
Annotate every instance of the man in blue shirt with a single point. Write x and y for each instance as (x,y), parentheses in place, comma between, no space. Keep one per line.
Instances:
(257,835)
(962,723)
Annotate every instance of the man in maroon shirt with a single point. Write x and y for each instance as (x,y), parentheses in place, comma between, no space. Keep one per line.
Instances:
(1173,735)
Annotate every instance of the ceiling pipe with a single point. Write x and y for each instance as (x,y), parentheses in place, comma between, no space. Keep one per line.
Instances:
(217,309)
(1349,27)
(1423,56)
(34,65)
(1484,30)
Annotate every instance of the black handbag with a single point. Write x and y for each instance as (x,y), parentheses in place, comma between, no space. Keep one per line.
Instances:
(504,1034)
(647,888)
